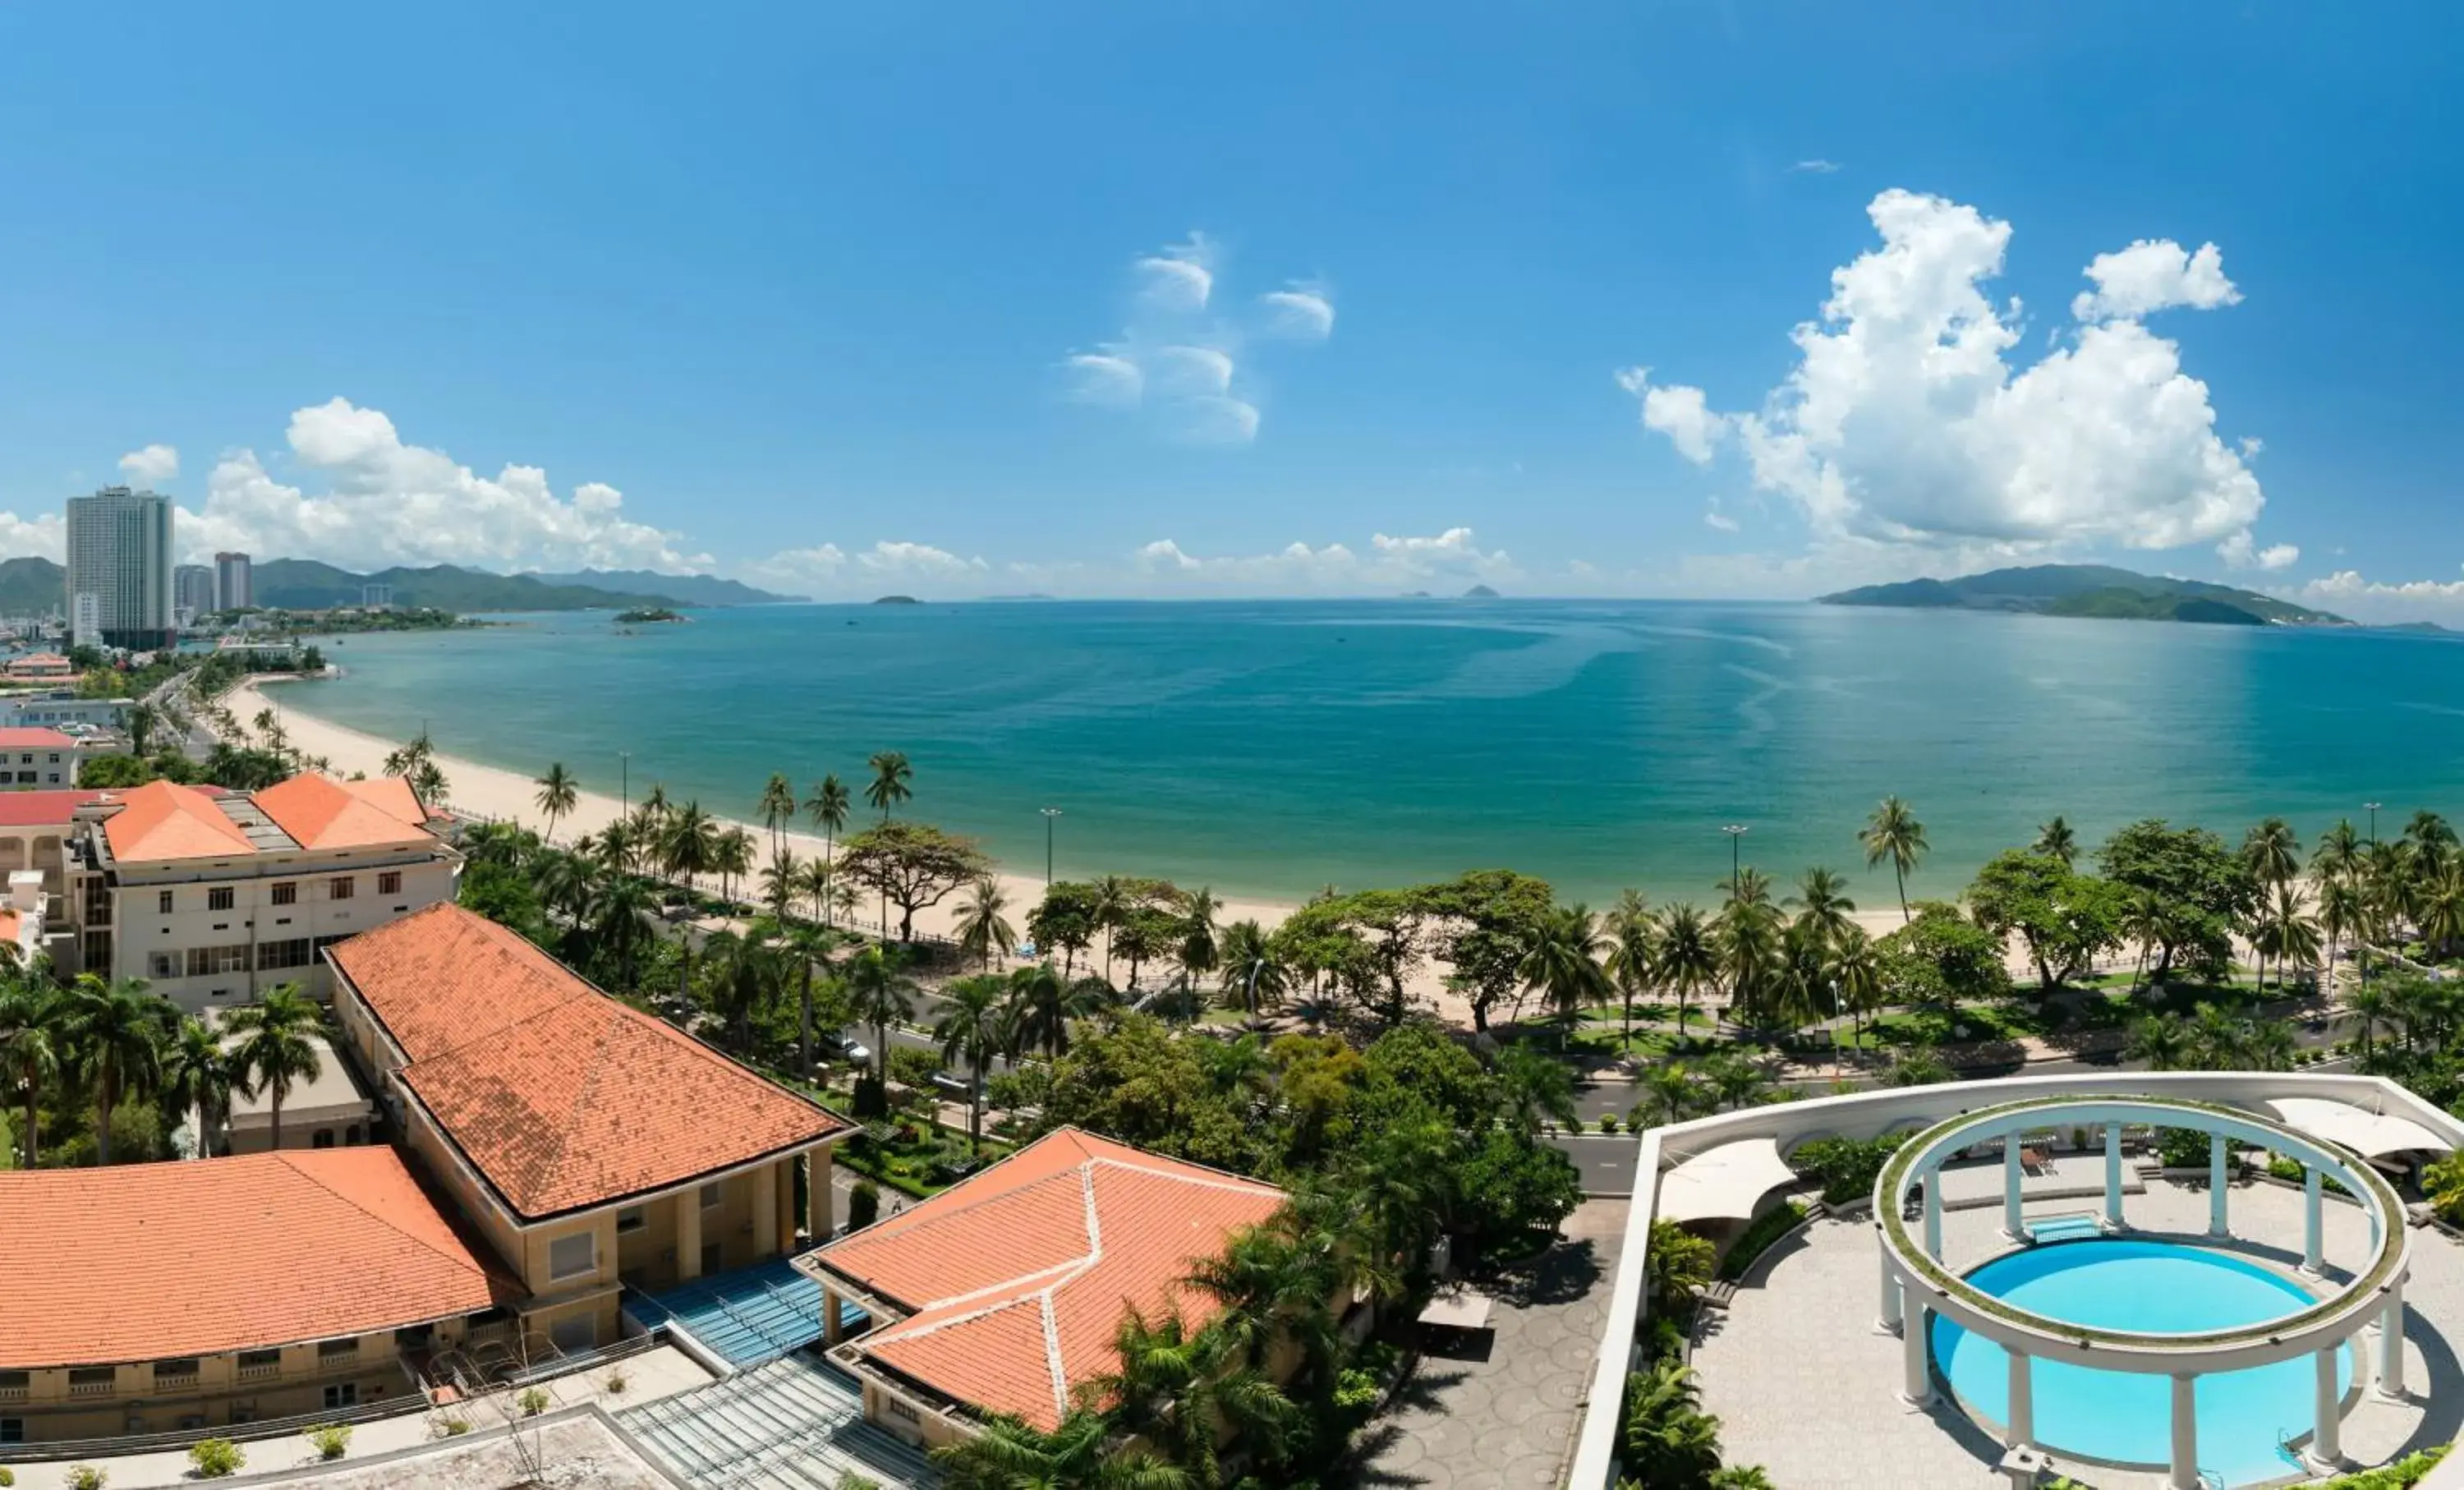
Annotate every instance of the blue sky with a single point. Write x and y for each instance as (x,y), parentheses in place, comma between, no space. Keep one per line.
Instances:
(805,289)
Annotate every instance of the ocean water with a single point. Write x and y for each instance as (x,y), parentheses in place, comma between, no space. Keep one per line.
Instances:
(1273,748)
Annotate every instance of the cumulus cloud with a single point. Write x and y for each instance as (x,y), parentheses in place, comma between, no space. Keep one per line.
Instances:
(2346,592)
(1906,420)
(1814,168)
(916,559)
(2241,552)
(1181,276)
(42,536)
(1303,312)
(154,462)
(387,502)
(1390,562)
(2155,274)
(1105,377)
(823,567)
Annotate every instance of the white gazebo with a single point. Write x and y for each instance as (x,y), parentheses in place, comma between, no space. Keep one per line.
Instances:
(1723,1184)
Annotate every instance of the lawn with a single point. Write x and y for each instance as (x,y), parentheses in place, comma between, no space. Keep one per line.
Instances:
(918,1159)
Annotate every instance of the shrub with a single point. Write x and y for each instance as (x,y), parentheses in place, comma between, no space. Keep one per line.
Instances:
(85,1477)
(849,1480)
(1609,1123)
(7,1477)
(2182,1148)
(617,1381)
(448,1427)
(330,1441)
(1847,1167)
(909,1066)
(864,1205)
(215,1458)
(1768,1228)
(533,1401)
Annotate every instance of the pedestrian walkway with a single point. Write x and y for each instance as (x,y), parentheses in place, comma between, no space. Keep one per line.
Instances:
(796,1423)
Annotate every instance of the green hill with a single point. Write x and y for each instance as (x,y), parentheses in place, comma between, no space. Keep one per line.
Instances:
(31,587)
(690,589)
(2093,590)
(305,584)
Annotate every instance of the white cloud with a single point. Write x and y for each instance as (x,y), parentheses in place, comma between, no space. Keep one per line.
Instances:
(1214,419)
(2155,274)
(2346,592)
(1814,168)
(392,503)
(1191,371)
(1105,377)
(1906,423)
(1303,312)
(1392,563)
(42,536)
(918,559)
(1714,518)
(2240,552)
(1164,554)
(154,462)
(1181,276)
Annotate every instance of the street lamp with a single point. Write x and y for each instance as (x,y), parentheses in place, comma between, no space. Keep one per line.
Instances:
(1736,832)
(1049,813)
(624,784)
(2364,954)
(2374,823)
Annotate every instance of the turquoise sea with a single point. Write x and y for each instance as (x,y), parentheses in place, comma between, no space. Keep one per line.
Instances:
(1271,748)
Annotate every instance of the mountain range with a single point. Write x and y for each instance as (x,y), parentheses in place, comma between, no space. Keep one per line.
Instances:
(2091,590)
(35,587)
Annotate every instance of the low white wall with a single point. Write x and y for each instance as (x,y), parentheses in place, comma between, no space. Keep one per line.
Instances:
(1868,1114)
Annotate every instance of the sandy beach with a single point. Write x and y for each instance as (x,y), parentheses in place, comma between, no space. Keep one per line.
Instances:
(490,791)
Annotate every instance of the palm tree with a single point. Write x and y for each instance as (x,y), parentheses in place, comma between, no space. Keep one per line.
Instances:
(1856,983)
(2339,854)
(143,717)
(1893,833)
(1823,906)
(2297,935)
(687,847)
(1010,1453)
(2055,840)
(113,1033)
(1563,964)
(782,882)
(1670,1093)
(2339,916)
(2368,1007)
(970,1030)
(620,913)
(778,806)
(1689,957)
(655,805)
(1535,1089)
(1669,1439)
(1272,1284)
(198,1077)
(891,775)
(1749,946)
(1198,948)
(809,945)
(1177,1388)
(2219,1039)
(879,995)
(1250,965)
(1113,899)
(558,795)
(276,1046)
(2271,852)
(1041,1006)
(1634,955)
(32,1040)
(815,884)
(1736,1082)
(2163,1040)
(828,807)
(984,932)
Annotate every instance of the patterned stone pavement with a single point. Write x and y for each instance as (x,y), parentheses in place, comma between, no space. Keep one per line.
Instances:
(1504,1419)
(1805,1386)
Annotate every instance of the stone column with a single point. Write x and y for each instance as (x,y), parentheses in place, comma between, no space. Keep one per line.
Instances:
(1933,1214)
(2326,1444)
(2216,1224)
(687,1201)
(1916,1383)
(819,1203)
(2391,1345)
(2186,1436)
(765,1209)
(2313,1223)
(832,1331)
(2113,1174)
(2013,1226)
(1887,1322)
(2023,1403)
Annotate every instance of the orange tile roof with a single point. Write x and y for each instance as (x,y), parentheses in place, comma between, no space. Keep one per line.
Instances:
(391,794)
(152,1261)
(1018,1278)
(162,819)
(35,737)
(322,813)
(562,1097)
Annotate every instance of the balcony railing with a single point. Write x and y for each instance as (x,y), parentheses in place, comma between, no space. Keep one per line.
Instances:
(329,1357)
(92,1389)
(185,1381)
(12,1393)
(268,1371)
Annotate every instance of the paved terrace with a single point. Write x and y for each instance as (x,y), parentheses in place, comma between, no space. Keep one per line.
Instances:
(1805,1386)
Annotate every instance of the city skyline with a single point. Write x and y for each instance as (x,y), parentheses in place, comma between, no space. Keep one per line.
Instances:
(1670,304)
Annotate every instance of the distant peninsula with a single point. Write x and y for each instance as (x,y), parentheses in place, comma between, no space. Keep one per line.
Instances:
(897,600)
(2096,591)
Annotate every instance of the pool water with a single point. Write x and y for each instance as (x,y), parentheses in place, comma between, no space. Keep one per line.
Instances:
(2159,1288)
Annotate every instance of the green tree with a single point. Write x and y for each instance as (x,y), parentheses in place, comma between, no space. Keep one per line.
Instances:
(559,794)
(2055,840)
(113,1034)
(1536,1089)
(276,1047)
(984,932)
(1564,963)
(1485,925)
(733,862)
(198,1078)
(891,778)
(2062,918)
(1893,834)
(1067,917)
(913,865)
(969,1030)
(33,1047)
(1010,1453)
(879,995)
(1689,957)
(1677,1268)
(2272,853)
(1177,1388)
(782,881)
(828,806)
(1941,960)
(1669,1440)
(1823,906)
(1633,960)
(776,807)
(1200,950)
(2197,891)
(1041,1005)
(2161,1041)
(1251,970)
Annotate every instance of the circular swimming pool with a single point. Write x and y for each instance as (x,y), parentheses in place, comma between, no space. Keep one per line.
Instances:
(2156,1287)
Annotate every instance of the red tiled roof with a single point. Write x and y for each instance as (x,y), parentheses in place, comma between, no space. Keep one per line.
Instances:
(43,809)
(392,796)
(151,1262)
(35,737)
(163,820)
(562,1097)
(322,813)
(1018,1278)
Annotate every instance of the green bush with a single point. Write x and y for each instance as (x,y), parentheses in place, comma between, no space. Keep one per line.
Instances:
(2402,1475)
(1609,1123)
(1769,1227)
(849,1480)
(864,1205)
(216,1459)
(448,1427)
(1847,1167)
(7,1477)
(533,1401)
(85,1477)
(909,1066)
(330,1441)
(2182,1148)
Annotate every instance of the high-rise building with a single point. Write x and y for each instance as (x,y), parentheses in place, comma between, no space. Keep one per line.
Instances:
(192,593)
(119,553)
(376,596)
(235,586)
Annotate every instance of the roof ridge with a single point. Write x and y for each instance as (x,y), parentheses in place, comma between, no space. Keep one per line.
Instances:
(291,1160)
(1205,1181)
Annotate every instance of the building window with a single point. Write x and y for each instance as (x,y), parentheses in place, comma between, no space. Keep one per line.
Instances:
(341,1349)
(93,1376)
(175,1369)
(162,902)
(53,779)
(219,898)
(354,1135)
(252,1360)
(414,1337)
(713,1194)
(286,892)
(631,1219)
(56,761)
(903,1411)
(13,1429)
(162,964)
(207,961)
(26,778)
(341,888)
(389,883)
(324,1139)
(571,1256)
(342,1394)
(296,951)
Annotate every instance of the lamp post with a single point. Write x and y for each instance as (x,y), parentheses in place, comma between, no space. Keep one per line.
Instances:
(1736,832)
(1049,813)
(624,784)
(2374,850)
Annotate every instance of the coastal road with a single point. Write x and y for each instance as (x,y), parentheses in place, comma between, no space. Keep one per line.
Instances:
(1605,1160)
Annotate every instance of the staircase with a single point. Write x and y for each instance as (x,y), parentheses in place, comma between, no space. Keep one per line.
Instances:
(795,1423)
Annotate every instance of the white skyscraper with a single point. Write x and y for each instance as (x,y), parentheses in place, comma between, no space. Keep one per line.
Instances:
(119,553)
(192,593)
(235,582)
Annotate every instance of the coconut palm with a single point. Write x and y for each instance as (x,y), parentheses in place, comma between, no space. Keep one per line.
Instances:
(778,806)
(1689,957)
(1748,939)
(2055,840)
(2163,1041)
(782,880)
(2271,852)
(1180,1389)
(984,932)
(1251,967)
(559,793)
(1010,1453)
(815,884)
(1114,898)
(1199,949)
(1894,834)
(276,1047)
(2339,854)
(2442,909)
(970,1030)
(1670,1093)
(113,1033)
(198,1078)
(142,719)
(2268,1045)
(891,775)
(1273,1287)
(1823,906)
(1563,964)
(1041,1006)
(828,807)
(1535,1090)
(810,946)
(2219,1039)
(1857,982)
(2368,1007)
(2297,934)
(1634,955)
(32,1047)
(733,860)
(879,995)
(2339,916)
(655,806)
(1669,1439)
(688,846)
(620,914)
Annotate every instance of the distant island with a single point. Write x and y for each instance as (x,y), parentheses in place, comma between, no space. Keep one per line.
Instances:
(897,600)
(2423,628)
(2096,591)
(1479,592)
(646,615)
